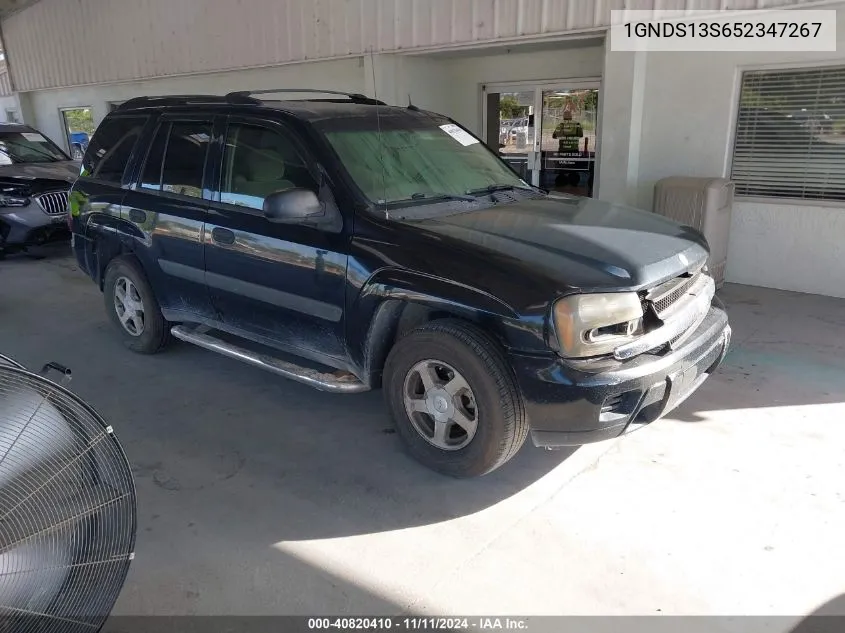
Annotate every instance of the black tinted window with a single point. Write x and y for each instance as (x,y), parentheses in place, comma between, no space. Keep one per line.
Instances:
(151,176)
(184,159)
(259,161)
(110,149)
(176,159)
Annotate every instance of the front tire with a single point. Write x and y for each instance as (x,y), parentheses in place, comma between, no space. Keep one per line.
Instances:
(132,307)
(454,399)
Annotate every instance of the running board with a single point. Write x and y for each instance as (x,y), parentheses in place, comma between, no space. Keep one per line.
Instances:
(334,383)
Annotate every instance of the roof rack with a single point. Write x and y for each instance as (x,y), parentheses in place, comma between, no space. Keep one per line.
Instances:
(352,96)
(169,100)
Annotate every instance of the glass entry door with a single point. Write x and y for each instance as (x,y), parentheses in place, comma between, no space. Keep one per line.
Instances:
(510,127)
(568,140)
(547,132)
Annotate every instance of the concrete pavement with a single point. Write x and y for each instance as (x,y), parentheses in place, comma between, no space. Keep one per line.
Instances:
(260,496)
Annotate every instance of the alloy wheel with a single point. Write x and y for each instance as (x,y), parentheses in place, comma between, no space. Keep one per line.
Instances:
(129,306)
(440,404)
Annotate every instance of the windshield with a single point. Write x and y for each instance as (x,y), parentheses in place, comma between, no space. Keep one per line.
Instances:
(417,158)
(28,147)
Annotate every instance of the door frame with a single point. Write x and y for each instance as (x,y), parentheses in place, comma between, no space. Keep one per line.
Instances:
(539,86)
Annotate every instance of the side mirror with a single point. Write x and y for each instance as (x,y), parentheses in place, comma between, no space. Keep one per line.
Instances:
(292,205)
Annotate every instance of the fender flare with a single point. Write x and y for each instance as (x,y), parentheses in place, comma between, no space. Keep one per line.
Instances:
(114,237)
(393,301)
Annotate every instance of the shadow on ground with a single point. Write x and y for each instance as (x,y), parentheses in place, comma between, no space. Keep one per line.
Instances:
(828,618)
(193,422)
(788,349)
(239,471)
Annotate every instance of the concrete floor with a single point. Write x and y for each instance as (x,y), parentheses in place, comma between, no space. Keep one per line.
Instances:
(260,496)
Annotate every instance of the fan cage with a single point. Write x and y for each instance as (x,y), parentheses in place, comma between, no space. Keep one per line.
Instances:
(68,516)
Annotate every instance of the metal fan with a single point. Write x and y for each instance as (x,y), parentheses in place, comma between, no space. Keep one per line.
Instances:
(67,507)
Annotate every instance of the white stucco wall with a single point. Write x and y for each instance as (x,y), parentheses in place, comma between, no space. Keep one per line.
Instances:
(9,103)
(688,103)
(43,105)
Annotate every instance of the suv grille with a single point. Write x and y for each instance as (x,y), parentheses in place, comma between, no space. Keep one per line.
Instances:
(53,203)
(664,297)
(681,304)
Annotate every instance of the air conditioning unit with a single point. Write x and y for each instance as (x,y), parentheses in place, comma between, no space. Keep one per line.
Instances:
(705,204)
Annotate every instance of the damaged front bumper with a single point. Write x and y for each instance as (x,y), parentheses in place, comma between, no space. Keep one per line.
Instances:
(30,226)
(569,404)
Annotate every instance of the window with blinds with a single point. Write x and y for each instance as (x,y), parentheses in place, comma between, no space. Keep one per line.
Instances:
(790,134)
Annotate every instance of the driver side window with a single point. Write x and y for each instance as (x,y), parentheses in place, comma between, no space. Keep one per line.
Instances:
(258,161)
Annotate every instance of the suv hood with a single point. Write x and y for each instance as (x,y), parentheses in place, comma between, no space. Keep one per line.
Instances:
(564,244)
(66,170)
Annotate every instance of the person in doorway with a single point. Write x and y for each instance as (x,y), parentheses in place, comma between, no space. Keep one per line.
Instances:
(569,134)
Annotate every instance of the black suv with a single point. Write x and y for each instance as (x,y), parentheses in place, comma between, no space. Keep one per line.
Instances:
(351,245)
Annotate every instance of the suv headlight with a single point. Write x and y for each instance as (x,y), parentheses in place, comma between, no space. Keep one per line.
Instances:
(14,195)
(595,324)
(7,200)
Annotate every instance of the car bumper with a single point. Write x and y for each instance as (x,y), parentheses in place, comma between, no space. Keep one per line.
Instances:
(25,226)
(570,406)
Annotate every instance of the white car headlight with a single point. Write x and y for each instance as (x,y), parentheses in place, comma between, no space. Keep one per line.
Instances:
(595,324)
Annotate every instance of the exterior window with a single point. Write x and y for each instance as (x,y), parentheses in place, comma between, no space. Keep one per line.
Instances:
(28,146)
(257,162)
(151,177)
(108,154)
(183,145)
(415,158)
(78,124)
(790,134)
(12,116)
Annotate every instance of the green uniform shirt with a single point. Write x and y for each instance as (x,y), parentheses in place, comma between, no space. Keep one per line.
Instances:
(568,133)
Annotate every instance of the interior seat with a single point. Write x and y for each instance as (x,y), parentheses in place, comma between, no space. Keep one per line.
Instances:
(263,173)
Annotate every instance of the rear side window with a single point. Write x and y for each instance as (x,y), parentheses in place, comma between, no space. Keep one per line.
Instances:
(151,176)
(110,149)
(176,160)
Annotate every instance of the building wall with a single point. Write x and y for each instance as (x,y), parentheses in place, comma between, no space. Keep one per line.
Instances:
(9,103)
(687,103)
(468,73)
(661,115)
(5,81)
(42,106)
(443,83)
(58,43)
(451,84)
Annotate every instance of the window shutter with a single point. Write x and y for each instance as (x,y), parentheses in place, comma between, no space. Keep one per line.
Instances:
(790,134)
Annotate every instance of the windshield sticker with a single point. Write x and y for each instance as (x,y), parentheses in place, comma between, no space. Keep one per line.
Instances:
(31,136)
(463,137)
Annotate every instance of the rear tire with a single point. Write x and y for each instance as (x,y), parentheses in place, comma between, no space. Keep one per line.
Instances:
(132,307)
(488,403)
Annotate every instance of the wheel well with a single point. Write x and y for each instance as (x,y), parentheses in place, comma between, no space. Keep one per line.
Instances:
(414,315)
(407,317)
(106,253)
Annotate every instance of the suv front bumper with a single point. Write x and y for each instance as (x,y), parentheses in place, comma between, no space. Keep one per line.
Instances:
(29,225)
(569,406)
